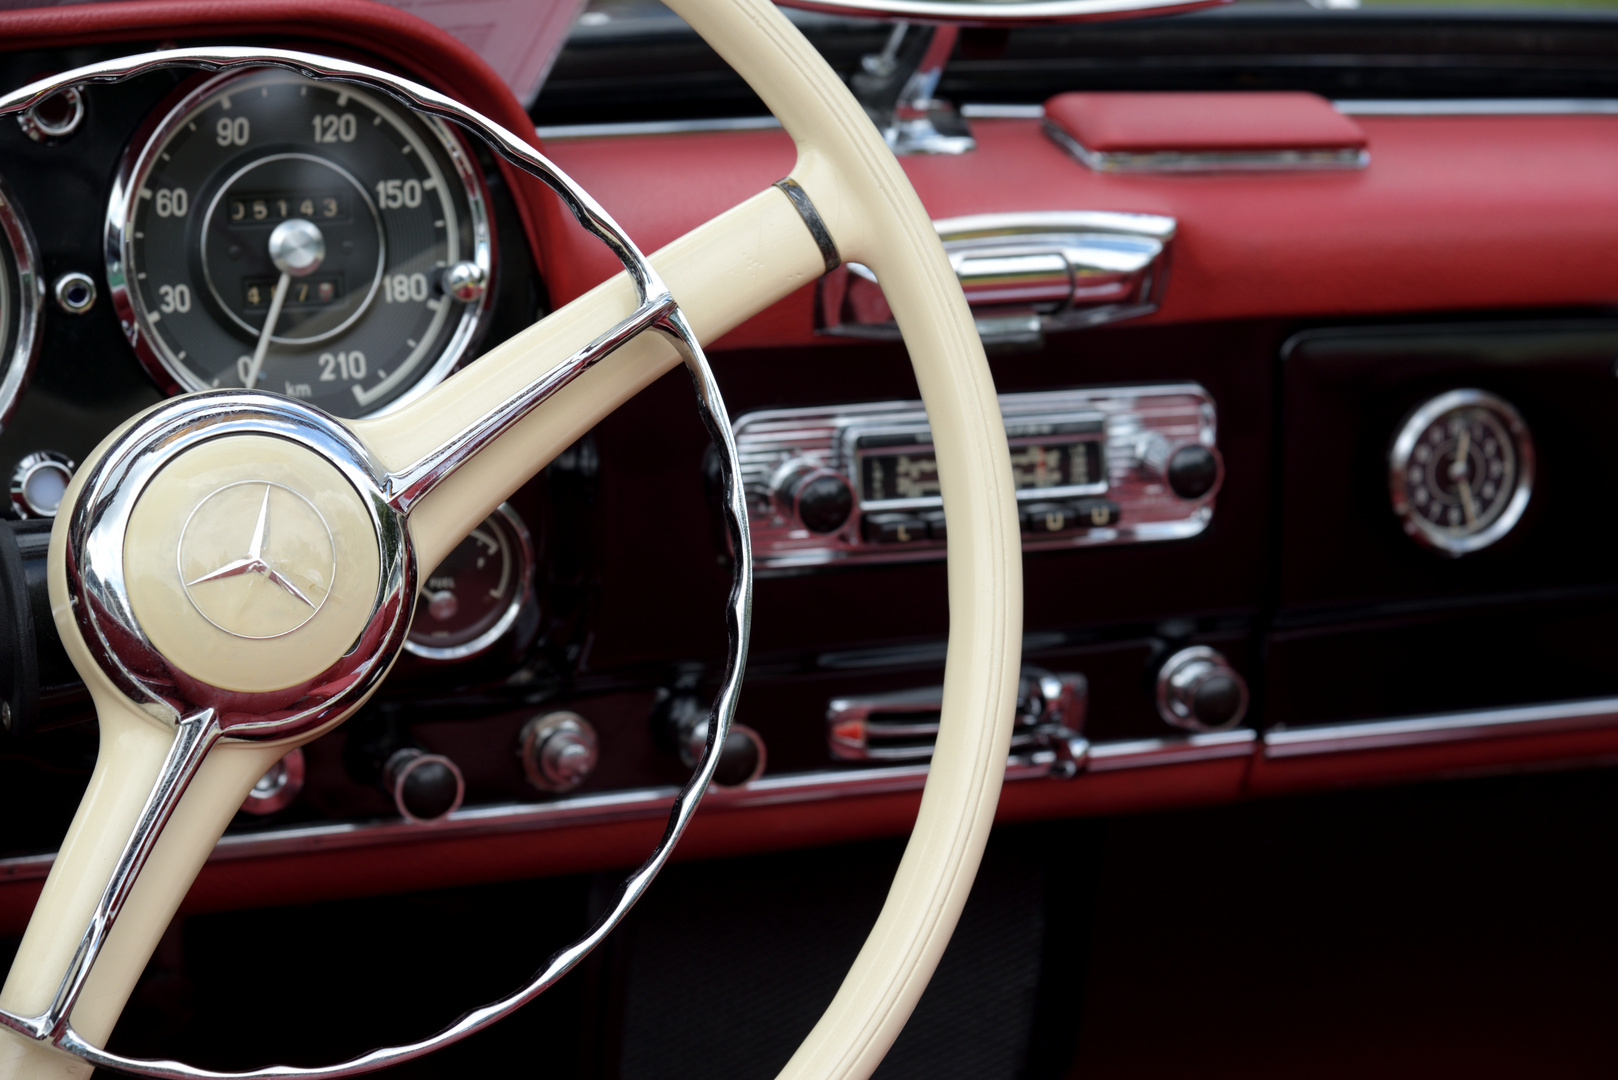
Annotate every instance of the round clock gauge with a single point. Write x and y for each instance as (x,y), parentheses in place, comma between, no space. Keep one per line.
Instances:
(1461,471)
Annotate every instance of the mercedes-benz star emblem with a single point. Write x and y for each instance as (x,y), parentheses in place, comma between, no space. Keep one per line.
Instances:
(263,580)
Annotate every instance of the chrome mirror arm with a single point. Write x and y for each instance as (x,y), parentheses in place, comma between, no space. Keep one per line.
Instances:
(897,85)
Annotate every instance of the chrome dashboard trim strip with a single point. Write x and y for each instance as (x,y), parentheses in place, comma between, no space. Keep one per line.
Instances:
(1441,728)
(657,127)
(1482,107)
(1180,750)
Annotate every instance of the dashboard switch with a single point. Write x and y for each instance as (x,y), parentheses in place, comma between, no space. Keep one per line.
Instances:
(1048,517)
(277,788)
(1192,472)
(1097,513)
(39,482)
(893,528)
(1198,690)
(741,758)
(425,787)
(680,723)
(559,751)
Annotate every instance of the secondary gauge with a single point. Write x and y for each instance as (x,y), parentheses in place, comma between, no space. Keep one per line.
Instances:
(295,236)
(22,292)
(1461,471)
(474,596)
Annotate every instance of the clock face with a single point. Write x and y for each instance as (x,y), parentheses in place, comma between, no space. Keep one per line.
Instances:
(1461,471)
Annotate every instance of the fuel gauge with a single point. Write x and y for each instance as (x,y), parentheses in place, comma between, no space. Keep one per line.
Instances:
(473,597)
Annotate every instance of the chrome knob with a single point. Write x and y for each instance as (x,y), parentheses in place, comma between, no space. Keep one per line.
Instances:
(277,788)
(559,751)
(813,496)
(1198,690)
(425,787)
(466,281)
(39,482)
(297,247)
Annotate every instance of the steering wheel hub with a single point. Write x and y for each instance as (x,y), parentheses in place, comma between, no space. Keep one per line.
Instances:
(251,563)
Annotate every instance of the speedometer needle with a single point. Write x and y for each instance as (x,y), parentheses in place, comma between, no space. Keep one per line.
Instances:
(297,249)
(265,334)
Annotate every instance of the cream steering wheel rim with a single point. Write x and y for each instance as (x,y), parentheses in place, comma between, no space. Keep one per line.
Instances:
(763,251)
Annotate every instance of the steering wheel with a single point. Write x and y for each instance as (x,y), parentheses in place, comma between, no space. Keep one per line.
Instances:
(210,651)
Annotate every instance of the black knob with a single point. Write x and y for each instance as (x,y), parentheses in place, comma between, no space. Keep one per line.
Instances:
(425,787)
(1198,690)
(1192,471)
(824,503)
(1218,700)
(741,758)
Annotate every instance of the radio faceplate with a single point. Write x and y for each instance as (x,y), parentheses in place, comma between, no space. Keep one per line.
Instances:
(859,483)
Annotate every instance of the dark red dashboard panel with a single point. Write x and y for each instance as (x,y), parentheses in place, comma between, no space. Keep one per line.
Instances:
(1453,214)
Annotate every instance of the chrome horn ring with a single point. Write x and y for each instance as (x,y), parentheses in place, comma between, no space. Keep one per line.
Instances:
(203,710)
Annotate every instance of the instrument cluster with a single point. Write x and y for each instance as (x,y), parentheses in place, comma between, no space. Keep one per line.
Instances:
(254,229)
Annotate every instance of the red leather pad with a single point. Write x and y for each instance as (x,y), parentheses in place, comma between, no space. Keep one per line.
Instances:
(1455,214)
(1191,122)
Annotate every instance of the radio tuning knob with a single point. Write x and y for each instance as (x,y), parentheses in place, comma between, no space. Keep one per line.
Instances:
(1191,470)
(1198,690)
(816,497)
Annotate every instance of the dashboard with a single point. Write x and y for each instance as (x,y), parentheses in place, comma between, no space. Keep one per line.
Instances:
(1308,460)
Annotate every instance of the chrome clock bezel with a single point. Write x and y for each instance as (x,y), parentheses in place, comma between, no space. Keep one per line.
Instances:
(508,618)
(1416,526)
(167,371)
(21,283)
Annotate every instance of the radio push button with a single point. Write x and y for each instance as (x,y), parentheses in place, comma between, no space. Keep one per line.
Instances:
(1097,513)
(894,528)
(1042,518)
(1049,517)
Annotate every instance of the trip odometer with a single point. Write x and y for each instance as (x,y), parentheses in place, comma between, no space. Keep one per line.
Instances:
(301,237)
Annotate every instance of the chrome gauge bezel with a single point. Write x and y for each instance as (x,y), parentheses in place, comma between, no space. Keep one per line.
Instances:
(168,371)
(1419,420)
(508,618)
(22,298)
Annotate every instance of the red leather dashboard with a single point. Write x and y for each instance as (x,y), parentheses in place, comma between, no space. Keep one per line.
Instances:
(1452,214)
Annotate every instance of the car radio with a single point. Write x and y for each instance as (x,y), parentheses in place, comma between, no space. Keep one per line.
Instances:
(859,483)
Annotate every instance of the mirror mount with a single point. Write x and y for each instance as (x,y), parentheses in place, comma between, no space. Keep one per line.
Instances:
(897,86)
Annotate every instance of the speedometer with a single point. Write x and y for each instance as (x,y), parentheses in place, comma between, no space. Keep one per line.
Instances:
(301,237)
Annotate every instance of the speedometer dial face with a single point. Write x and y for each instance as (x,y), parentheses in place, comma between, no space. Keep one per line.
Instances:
(1461,471)
(295,236)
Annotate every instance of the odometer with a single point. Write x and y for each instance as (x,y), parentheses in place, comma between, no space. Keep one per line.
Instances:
(296,237)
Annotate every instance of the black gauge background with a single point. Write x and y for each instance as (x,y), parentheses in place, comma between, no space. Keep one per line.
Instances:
(474,620)
(72,407)
(205,342)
